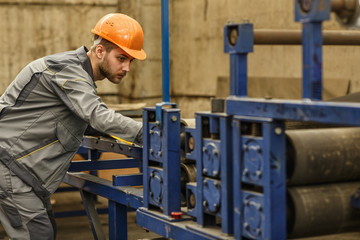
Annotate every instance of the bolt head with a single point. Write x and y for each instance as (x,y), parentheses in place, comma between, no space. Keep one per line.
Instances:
(174,118)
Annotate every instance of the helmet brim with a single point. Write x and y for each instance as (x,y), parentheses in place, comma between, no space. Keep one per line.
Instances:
(137,54)
(141,55)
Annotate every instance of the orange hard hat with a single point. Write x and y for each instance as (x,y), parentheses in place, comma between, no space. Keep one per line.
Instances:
(123,31)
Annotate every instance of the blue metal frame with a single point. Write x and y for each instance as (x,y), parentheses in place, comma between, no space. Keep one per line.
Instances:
(214,171)
(312,46)
(259,179)
(161,160)
(238,51)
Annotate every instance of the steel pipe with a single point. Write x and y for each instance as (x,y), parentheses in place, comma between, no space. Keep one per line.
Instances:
(322,155)
(322,209)
(293,37)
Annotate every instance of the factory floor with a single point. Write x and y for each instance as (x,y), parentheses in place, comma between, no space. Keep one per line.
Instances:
(78,228)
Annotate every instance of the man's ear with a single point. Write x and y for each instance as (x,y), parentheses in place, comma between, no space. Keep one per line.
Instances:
(100,51)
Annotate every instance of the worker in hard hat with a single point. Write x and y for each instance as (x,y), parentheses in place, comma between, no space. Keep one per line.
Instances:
(44,114)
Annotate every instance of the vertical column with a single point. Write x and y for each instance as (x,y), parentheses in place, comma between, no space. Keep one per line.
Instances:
(259,179)
(161,161)
(311,14)
(238,42)
(214,171)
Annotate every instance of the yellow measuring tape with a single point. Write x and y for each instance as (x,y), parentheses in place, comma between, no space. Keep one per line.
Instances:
(121,140)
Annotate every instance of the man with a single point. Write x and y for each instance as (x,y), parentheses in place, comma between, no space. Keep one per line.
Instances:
(44,114)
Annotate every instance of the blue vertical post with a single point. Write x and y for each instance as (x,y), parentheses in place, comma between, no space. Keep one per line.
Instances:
(238,42)
(238,74)
(165,62)
(312,61)
(117,221)
(311,20)
(165,50)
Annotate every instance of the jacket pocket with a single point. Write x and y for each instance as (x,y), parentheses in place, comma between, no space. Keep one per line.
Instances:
(13,215)
(66,138)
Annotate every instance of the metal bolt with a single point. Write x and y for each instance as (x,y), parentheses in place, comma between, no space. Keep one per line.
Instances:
(205,182)
(151,132)
(151,151)
(205,203)
(160,199)
(215,173)
(157,123)
(174,118)
(205,171)
(259,207)
(204,149)
(152,174)
(216,206)
(160,153)
(246,147)
(246,226)
(112,145)
(259,150)
(259,174)
(246,172)
(278,131)
(151,194)
(247,202)
(217,184)
(215,152)
(258,231)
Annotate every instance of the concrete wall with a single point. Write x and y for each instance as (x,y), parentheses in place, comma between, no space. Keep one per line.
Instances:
(199,68)
(34,28)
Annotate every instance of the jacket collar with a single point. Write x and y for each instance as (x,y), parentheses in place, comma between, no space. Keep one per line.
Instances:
(85,61)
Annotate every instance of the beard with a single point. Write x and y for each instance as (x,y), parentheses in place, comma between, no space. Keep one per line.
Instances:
(105,71)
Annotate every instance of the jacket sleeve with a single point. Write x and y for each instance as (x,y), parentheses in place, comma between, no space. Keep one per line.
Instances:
(77,90)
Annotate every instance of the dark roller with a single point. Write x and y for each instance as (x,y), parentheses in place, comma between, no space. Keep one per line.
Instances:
(322,209)
(323,155)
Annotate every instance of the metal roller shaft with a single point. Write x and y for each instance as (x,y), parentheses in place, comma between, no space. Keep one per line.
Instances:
(323,209)
(323,155)
(293,37)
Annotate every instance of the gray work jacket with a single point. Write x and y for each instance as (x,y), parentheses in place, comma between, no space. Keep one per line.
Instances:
(45,112)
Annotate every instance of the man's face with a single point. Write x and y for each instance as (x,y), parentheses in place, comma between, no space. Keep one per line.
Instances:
(115,65)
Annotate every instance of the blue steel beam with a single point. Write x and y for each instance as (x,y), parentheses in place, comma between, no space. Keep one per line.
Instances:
(78,166)
(178,230)
(129,196)
(295,110)
(165,50)
(128,180)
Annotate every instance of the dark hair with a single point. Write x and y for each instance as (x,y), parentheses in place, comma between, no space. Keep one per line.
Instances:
(107,44)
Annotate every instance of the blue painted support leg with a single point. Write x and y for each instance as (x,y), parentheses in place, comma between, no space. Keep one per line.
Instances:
(312,60)
(117,221)
(238,74)
(259,179)
(90,208)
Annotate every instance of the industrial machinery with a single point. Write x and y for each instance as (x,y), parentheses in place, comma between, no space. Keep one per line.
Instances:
(258,169)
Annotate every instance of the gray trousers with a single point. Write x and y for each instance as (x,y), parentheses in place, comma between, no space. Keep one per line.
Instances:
(22,213)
